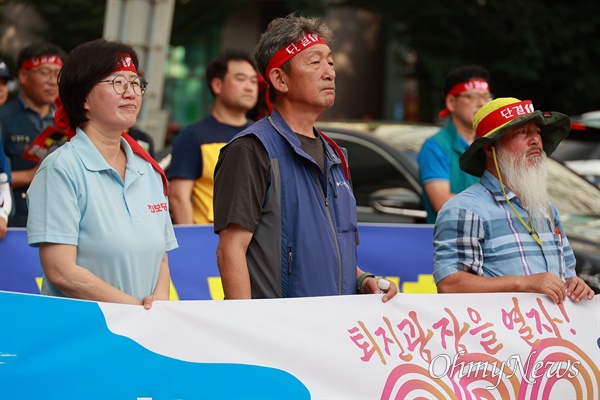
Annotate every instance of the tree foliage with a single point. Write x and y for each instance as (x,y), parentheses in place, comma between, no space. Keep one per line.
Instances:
(544,50)
(69,22)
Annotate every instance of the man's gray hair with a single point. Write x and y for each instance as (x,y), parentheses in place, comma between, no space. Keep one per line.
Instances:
(283,31)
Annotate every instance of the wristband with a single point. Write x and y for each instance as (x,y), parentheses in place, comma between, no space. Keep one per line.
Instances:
(360,280)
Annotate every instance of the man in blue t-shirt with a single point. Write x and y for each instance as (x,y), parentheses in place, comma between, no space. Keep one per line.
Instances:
(467,90)
(233,82)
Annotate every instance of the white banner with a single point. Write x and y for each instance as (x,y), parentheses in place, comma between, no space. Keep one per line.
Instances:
(506,345)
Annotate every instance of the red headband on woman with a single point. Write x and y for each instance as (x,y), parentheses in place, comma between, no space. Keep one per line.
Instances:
(472,84)
(61,118)
(124,63)
(41,60)
(287,53)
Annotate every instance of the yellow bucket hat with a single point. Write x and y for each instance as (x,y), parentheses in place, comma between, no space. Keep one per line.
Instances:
(496,117)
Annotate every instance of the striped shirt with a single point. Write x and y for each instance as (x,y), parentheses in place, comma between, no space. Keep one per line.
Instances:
(477,231)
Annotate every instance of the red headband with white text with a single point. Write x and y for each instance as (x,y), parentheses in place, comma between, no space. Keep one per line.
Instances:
(472,84)
(501,116)
(124,63)
(287,53)
(41,60)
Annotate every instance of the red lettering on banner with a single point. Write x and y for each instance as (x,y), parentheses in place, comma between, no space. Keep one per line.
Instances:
(382,332)
(367,341)
(515,317)
(156,208)
(410,337)
(456,331)
(416,335)
(491,334)
(544,325)
(370,346)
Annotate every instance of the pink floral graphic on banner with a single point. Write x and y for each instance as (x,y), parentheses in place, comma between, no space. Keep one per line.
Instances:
(471,364)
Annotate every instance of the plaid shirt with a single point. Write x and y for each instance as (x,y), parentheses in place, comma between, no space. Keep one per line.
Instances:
(477,231)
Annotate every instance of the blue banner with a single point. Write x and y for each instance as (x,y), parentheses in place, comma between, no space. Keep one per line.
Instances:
(402,253)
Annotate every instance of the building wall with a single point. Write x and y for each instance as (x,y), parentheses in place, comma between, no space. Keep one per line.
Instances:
(357,53)
(358,58)
(242,31)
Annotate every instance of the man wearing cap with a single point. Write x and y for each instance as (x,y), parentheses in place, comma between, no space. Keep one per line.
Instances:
(502,234)
(284,208)
(467,90)
(23,118)
(5,77)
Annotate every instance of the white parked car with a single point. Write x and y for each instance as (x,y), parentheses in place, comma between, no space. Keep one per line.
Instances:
(581,150)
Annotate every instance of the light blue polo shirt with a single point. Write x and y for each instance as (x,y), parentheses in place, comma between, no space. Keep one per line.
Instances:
(121,229)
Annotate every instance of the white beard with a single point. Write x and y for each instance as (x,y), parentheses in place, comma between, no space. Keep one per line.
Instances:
(529,182)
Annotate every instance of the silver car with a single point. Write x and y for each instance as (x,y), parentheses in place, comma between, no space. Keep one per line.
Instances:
(385,177)
(385,180)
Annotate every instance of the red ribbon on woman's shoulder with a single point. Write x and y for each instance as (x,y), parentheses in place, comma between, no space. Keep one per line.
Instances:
(61,118)
(139,150)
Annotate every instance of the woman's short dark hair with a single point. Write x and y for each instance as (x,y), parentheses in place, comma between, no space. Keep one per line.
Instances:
(85,66)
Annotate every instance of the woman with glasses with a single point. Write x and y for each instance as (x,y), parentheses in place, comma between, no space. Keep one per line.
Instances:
(98,206)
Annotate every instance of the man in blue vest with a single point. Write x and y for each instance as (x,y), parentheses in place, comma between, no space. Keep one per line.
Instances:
(467,90)
(22,119)
(283,202)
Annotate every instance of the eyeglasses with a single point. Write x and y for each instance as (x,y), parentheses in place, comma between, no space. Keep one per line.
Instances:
(473,97)
(120,84)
